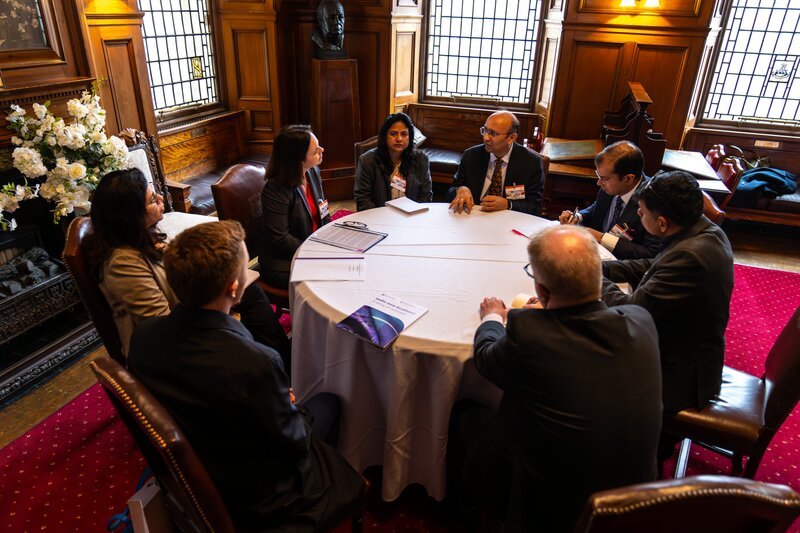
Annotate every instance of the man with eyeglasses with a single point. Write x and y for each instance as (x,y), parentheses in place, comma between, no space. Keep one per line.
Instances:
(686,287)
(613,218)
(581,406)
(500,173)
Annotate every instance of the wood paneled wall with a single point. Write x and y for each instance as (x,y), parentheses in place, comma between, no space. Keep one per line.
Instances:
(116,51)
(383,36)
(604,46)
(248,66)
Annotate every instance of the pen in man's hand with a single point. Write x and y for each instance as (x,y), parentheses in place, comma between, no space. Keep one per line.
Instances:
(574,216)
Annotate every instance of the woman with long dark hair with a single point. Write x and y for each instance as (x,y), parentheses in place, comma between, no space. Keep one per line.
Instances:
(293,201)
(126,252)
(394,168)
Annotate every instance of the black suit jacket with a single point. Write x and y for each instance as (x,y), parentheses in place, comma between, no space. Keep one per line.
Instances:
(687,288)
(581,406)
(372,186)
(287,221)
(230,397)
(643,244)
(524,168)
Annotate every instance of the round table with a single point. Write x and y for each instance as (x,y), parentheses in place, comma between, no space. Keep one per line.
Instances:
(396,402)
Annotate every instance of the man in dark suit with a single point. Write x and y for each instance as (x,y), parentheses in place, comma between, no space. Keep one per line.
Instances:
(686,287)
(231,398)
(613,219)
(581,405)
(500,173)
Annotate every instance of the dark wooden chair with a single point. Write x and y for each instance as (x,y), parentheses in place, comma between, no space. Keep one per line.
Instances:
(711,210)
(748,411)
(715,155)
(730,171)
(360,148)
(237,196)
(192,498)
(74,256)
(176,195)
(692,505)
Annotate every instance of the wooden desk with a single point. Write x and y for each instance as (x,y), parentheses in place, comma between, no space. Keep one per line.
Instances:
(568,185)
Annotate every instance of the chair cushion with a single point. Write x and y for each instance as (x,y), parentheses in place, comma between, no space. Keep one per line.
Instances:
(733,420)
(254,159)
(442,161)
(200,193)
(788,203)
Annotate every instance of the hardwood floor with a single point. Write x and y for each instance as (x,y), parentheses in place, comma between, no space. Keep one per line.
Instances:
(755,245)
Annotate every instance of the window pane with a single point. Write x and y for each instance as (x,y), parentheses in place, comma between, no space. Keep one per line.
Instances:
(180,59)
(756,75)
(482,49)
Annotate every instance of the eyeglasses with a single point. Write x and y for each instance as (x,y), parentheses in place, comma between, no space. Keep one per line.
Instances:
(354,224)
(153,199)
(601,178)
(528,270)
(484,131)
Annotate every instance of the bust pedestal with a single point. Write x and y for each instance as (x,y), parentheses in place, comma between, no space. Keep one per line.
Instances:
(336,119)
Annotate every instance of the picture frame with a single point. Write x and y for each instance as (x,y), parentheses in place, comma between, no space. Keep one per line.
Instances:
(35,40)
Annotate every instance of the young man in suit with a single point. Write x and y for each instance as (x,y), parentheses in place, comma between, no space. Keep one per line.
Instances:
(231,397)
(581,405)
(613,219)
(686,287)
(499,173)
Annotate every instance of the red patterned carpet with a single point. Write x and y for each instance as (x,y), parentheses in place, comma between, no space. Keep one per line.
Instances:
(78,467)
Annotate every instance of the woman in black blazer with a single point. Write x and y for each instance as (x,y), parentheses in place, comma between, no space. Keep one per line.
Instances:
(292,200)
(394,168)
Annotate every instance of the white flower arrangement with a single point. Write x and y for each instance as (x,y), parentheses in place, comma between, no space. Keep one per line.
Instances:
(70,157)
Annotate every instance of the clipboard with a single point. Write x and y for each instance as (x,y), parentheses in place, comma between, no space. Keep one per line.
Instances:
(351,238)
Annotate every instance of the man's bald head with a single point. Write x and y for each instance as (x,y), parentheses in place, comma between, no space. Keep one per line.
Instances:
(566,261)
(505,122)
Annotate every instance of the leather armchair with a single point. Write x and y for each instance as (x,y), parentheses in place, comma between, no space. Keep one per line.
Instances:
(74,256)
(748,411)
(192,499)
(697,504)
(237,196)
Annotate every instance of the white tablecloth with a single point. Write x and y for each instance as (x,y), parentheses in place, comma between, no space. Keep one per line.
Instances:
(396,403)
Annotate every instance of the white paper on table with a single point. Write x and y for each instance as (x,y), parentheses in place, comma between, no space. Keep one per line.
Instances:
(329,269)
(407,205)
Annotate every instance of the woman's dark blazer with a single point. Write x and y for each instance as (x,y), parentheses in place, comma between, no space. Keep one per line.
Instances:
(372,187)
(286,221)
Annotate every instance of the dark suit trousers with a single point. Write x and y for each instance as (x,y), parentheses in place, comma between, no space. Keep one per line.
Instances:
(325,409)
(260,320)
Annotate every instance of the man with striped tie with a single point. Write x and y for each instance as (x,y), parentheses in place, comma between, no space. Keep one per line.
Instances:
(613,218)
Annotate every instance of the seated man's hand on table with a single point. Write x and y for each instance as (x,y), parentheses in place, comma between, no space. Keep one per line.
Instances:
(463,201)
(567,217)
(493,305)
(494,203)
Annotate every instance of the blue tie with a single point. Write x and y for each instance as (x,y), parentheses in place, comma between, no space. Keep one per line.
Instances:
(618,205)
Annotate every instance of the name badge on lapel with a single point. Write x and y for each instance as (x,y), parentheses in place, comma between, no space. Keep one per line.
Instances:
(398,183)
(515,192)
(623,231)
(323,209)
